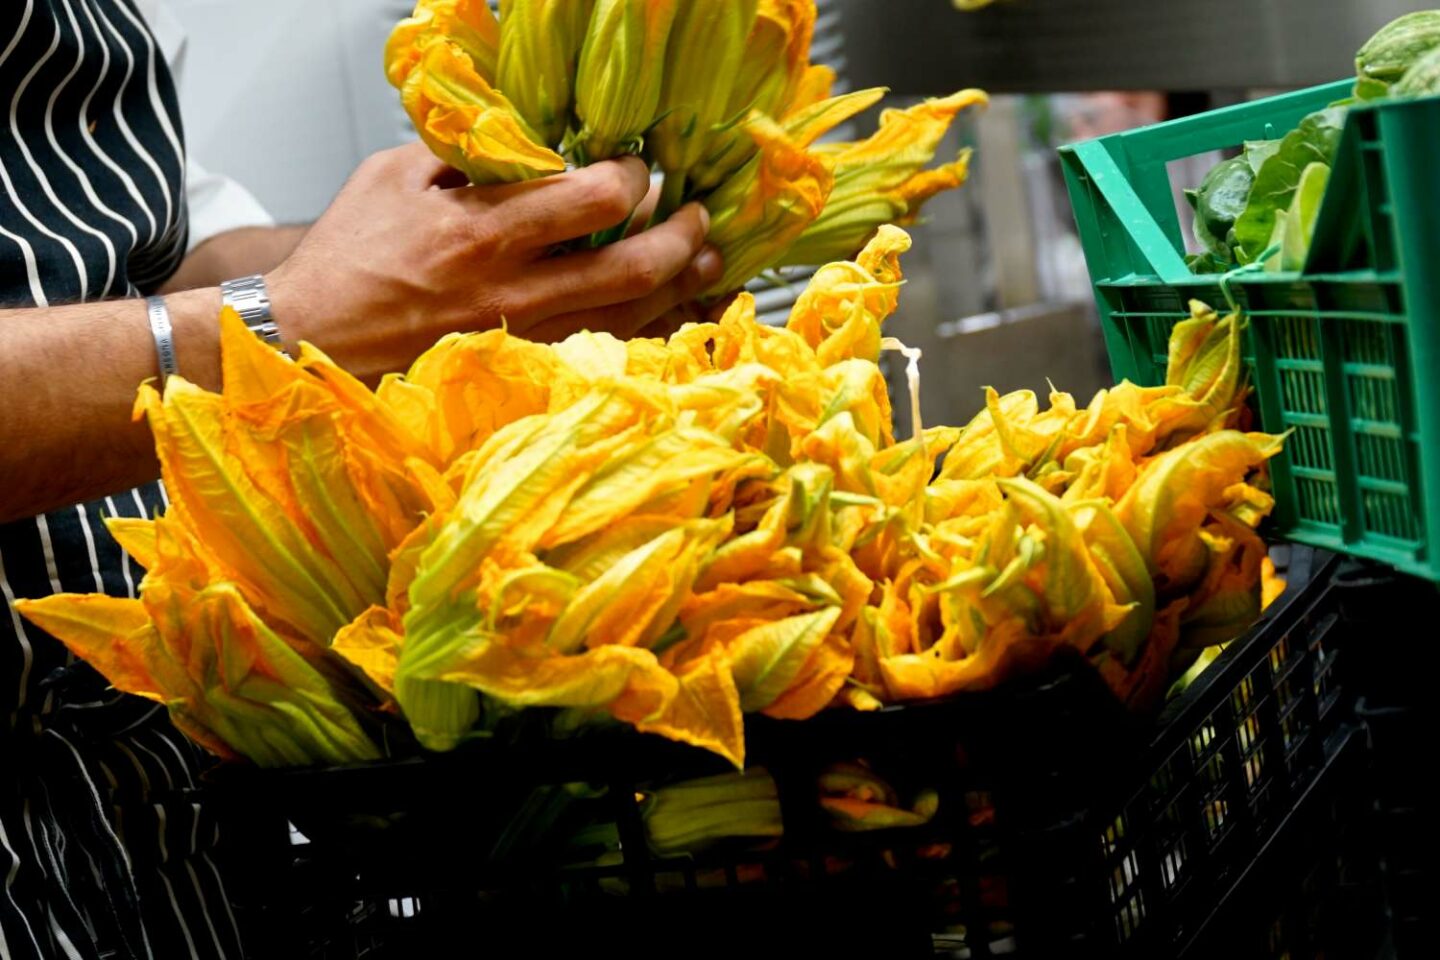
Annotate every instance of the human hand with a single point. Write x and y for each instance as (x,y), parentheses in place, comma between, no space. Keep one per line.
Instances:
(404,256)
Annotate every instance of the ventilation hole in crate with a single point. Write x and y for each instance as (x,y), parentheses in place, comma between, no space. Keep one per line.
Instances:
(1247,732)
(1309,447)
(1389,515)
(1315,638)
(1296,338)
(1318,500)
(1213,772)
(1279,654)
(1172,865)
(1214,815)
(1160,328)
(1284,695)
(1114,833)
(1253,768)
(1303,391)
(1374,397)
(1382,458)
(1129,917)
(1200,739)
(1367,342)
(1292,730)
(1171,816)
(1242,696)
(1122,876)
(1162,781)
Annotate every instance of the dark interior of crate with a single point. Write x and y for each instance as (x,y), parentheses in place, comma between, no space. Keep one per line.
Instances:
(1039,847)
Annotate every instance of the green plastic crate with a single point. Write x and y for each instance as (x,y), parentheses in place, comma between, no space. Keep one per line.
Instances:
(1344,355)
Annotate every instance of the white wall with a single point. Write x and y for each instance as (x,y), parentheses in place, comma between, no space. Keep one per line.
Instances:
(287,96)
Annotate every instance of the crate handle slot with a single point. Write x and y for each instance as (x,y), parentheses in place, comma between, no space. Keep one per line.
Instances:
(1145,232)
(1113,164)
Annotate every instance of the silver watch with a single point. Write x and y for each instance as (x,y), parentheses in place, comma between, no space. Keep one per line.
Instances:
(249,298)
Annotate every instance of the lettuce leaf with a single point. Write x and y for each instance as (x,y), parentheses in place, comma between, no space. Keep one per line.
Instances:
(1313,141)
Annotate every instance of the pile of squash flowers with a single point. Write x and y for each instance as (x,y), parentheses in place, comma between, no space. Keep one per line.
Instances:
(668,534)
(718,95)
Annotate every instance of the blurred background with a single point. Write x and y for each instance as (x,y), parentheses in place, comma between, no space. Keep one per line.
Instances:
(998,293)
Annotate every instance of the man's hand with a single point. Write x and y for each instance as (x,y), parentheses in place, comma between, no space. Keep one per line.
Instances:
(403,257)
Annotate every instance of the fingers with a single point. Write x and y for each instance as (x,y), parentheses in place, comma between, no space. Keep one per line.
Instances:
(538,214)
(641,218)
(411,167)
(629,318)
(630,270)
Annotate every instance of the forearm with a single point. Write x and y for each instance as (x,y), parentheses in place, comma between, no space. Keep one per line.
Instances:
(235,253)
(68,377)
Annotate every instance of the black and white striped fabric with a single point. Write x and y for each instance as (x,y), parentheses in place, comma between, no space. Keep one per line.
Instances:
(101,855)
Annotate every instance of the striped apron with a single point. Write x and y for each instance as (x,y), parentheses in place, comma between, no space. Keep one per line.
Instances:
(101,854)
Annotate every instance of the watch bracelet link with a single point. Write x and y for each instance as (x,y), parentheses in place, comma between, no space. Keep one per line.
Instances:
(249,298)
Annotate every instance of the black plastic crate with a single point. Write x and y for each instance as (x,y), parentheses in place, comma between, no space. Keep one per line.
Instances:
(1312,891)
(1392,673)
(1403,808)
(1065,827)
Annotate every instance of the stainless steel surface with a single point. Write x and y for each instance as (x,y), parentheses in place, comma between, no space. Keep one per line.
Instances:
(1028,46)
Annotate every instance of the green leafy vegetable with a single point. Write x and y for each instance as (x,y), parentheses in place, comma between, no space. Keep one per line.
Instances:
(1294,228)
(1313,141)
(1219,202)
(1393,50)
(1258,151)
(1422,79)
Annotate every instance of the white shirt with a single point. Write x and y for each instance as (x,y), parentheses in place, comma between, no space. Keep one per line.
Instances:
(217,203)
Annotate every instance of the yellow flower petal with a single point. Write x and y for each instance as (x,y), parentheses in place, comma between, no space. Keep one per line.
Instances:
(770,75)
(372,642)
(212,493)
(539,50)
(810,123)
(620,606)
(930,183)
(621,73)
(468,23)
(817,683)
(1229,598)
(816,84)
(480,383)
(469,124)
(112,634)
(706,42)
(765,205)
(766,660)
(752,603)
(1009,651)
(665,464)
(703,711)
(136,537)
(843,306)
(882,179)
(1123,568)
(1177,490)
